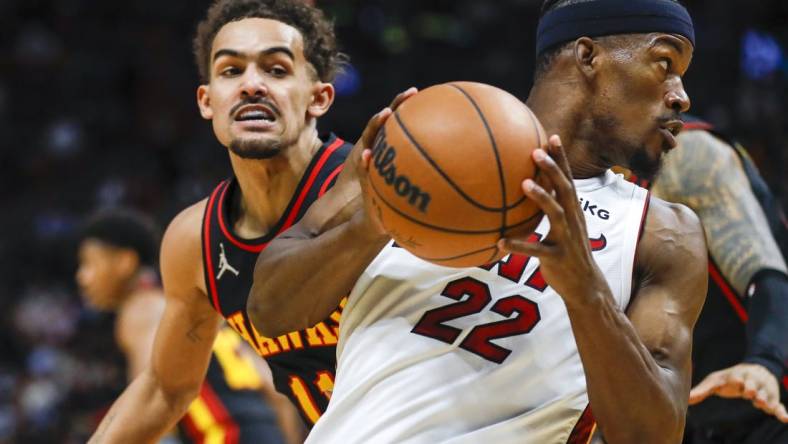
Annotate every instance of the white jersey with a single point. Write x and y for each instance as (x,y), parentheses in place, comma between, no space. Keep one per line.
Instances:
(430,354)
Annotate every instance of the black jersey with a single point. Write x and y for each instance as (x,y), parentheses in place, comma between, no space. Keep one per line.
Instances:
(230,407)
(302,362)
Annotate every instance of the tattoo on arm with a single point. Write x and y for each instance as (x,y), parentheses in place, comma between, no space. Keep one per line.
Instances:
(705,174)
(193,334)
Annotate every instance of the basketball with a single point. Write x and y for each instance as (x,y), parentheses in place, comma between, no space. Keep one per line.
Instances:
(446,173)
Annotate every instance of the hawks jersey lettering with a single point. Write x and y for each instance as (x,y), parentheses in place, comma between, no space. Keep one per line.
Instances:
(477,355)
(229,407)
(302,362)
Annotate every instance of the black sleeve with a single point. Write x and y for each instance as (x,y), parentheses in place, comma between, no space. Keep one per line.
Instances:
(767,327)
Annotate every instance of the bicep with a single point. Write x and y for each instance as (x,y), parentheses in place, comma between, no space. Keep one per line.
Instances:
(182,348)
(189,325)
(671,289)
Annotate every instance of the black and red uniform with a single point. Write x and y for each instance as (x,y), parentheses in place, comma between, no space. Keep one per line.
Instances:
(302,362)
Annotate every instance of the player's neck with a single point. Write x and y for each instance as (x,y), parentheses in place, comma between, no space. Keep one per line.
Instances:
(562,111)
(143,282)
(266,186)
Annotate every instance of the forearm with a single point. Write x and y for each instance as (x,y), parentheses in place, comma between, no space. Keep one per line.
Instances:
(632,397)
(300,279)
(142,414)
(767,326)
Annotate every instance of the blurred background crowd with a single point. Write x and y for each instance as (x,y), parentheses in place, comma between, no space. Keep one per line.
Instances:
(97,109)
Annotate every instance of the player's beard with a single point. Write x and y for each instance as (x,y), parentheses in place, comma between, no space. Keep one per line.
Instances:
(644,166)
(255,149)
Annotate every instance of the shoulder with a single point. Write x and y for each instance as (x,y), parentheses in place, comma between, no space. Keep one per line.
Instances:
(672,257)
(673,238)
(181,248)
(673,225)
(140,315)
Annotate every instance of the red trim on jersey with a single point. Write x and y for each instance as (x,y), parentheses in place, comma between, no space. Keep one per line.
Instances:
(727,291)
(207,250)
(305,190)
(637,244)
(217,408)
(330,177)
(191,430)
(293,211)
(697,126)
(785,381)
(584,428)
(236,242)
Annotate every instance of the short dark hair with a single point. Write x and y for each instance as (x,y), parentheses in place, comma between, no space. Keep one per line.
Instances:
(320,46)
(546,58)
(124,228)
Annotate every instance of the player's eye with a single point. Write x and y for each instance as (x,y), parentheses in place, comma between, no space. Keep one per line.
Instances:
(230,71)
(278,71)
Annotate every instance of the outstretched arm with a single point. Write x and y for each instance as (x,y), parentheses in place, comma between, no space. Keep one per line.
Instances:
(160,395)
(704,173)
(637,364)
(302,275)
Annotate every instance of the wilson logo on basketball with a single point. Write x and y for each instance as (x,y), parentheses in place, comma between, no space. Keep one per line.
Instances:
(383,156)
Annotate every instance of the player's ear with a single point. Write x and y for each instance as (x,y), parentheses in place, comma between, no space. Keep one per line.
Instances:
(128,261)
(204,102)
(586,52)
(322,97)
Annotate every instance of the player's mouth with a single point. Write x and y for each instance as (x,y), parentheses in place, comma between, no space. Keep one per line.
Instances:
(669,131)
(255,116)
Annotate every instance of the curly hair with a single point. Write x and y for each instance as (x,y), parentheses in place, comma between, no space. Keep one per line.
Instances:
(320,46)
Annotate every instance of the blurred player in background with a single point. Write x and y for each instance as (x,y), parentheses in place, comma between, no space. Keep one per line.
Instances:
(741,338)
(117,273)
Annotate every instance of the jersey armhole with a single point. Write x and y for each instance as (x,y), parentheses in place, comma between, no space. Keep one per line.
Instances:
(630,266)
(207,253)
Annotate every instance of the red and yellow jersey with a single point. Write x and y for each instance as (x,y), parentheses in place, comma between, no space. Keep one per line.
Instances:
(302,362)
(230,408)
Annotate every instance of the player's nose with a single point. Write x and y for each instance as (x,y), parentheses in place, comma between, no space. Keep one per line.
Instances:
(677,98)
(253,83)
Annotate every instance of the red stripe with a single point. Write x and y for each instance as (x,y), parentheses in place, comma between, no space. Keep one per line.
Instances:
(785,381)
(207,247)
(191,430)
(331,177)
(305,190)
(215,405)
(583,428)
(293,212)
(697,126)
(637,244)
(727,291)
(236,242)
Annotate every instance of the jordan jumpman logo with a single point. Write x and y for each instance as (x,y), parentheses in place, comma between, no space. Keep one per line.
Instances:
(223,264)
